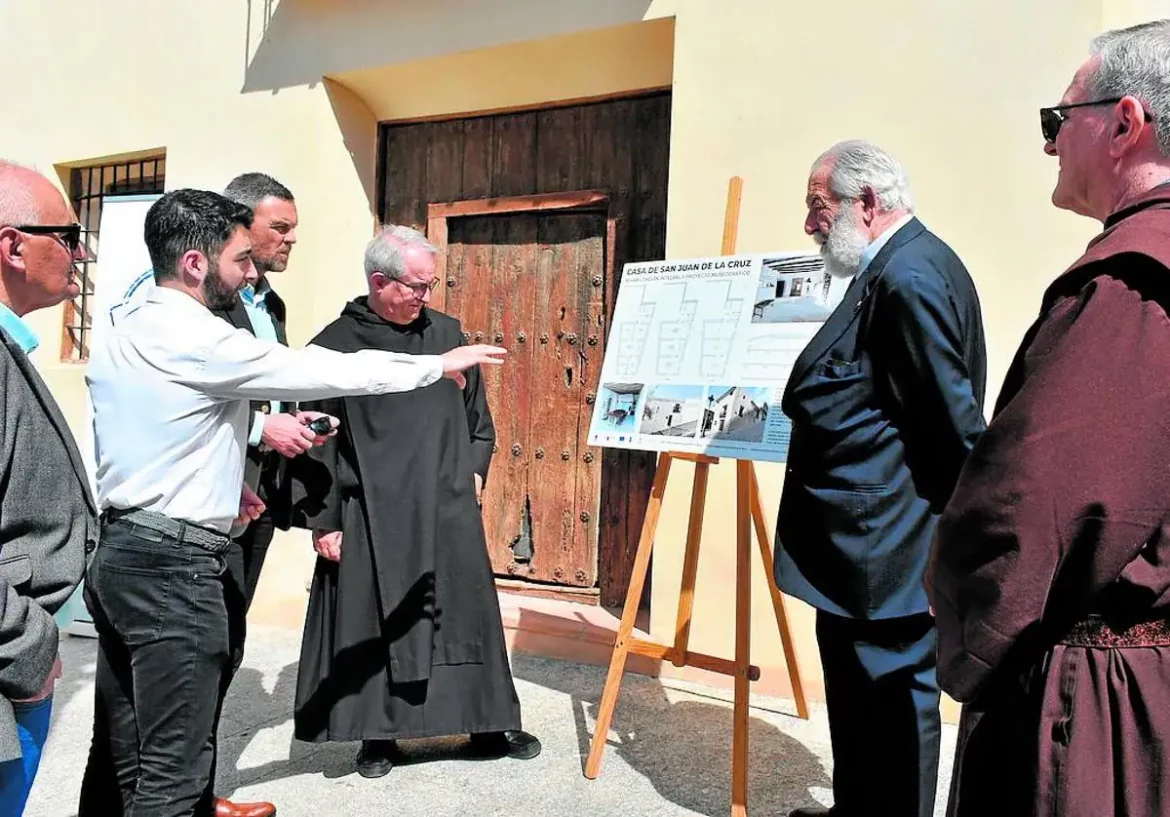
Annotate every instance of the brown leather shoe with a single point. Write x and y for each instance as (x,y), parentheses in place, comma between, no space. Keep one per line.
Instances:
(226,808)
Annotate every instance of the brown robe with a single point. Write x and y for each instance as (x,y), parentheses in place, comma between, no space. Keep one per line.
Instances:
(1062,512)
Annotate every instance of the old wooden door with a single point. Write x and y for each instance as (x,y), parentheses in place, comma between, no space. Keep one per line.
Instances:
(533,282)
(617,146)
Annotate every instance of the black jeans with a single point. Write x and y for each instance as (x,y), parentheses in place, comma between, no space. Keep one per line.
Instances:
(163,651)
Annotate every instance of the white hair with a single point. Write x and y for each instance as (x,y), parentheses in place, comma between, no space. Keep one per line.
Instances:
(384,252)
(1135,61)
(18,201)
(857,164)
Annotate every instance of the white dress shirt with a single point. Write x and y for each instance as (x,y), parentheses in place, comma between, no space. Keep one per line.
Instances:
(876,245)
(170,388)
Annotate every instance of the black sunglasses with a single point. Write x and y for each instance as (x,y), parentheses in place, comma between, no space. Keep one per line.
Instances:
(1052,118)
(70,234)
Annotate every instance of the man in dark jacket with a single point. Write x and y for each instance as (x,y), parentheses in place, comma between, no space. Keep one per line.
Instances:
(886,402)
(1050,574)
(47,515)
(275,430)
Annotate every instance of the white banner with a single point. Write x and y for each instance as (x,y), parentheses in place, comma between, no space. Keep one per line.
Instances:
(123,272)
(700,350)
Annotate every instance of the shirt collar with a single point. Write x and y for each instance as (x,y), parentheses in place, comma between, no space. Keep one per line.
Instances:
(876,245)
(168,296)
(255,294)
(18,330)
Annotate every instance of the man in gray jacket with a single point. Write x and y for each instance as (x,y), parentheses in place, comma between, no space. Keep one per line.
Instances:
(47,516)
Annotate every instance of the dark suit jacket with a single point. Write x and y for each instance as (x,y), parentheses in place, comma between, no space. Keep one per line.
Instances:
(886,402)
(265,470)
(48,521)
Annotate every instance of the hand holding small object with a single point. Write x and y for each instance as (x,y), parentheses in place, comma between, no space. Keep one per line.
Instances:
(287,434)
(323,426)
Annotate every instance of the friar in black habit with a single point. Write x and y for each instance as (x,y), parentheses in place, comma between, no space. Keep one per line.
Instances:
(403,637)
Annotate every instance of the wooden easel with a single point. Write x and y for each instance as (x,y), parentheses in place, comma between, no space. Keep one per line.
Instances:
(747,512)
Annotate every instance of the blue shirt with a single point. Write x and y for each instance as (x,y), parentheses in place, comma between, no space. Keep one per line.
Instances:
(18,330)
(255,304)
(876,245)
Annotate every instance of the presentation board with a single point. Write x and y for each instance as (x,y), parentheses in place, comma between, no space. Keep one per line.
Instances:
(700,350)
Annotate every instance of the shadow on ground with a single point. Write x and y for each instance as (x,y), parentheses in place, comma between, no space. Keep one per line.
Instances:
(668,754)
(679,742)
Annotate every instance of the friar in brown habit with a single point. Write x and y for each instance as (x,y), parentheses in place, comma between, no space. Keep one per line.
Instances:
(1050,570)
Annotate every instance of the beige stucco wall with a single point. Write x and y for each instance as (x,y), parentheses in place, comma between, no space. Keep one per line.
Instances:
(953,90)
(760,88)
(226,87)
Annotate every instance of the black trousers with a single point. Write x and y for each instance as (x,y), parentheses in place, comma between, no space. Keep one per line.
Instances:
(882,695)
(244,559)
(159,609)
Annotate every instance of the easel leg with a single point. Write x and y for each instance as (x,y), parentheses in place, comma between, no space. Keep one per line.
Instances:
(686,597)
(621,648)
(743,606)
(778,601)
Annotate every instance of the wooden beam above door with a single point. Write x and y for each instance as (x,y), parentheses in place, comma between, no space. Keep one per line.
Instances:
(575,200)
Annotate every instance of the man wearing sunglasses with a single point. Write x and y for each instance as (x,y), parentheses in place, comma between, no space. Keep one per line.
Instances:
(403,637)
(1050,571)
(47,516)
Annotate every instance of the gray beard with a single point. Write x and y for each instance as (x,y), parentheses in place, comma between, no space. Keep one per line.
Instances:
(844,246)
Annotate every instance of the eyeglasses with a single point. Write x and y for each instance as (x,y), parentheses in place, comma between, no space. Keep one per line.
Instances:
(1052,118)
(419,290)
(69,234)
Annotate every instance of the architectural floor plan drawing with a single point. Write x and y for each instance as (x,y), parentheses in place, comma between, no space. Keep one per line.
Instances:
(673,334)
(692,367)
(633,332)
(718,335)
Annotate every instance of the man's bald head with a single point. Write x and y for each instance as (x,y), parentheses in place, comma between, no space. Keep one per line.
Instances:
(36,268)
(18,194)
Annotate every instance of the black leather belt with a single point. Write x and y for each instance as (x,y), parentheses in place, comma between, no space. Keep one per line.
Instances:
(185,532)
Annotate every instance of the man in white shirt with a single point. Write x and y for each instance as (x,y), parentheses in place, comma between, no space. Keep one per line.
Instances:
(170,390)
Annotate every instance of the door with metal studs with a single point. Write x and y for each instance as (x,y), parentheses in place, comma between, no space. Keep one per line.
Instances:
(534,284)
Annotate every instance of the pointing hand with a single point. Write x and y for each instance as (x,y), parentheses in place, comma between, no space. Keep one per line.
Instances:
(461,358)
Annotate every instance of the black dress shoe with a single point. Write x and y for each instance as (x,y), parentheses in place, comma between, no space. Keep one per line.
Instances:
(376,757)
(815,811)
(512,743)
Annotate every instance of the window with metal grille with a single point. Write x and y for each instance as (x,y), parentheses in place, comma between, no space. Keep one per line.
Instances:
(87,186)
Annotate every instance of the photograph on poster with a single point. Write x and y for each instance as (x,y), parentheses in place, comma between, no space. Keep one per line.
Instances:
(736,413)
(793,289)
(616,406)
(672,411)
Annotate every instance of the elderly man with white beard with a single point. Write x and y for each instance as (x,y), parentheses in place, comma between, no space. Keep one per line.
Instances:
(886,402)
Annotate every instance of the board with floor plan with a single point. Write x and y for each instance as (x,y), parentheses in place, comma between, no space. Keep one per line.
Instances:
(700,352)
